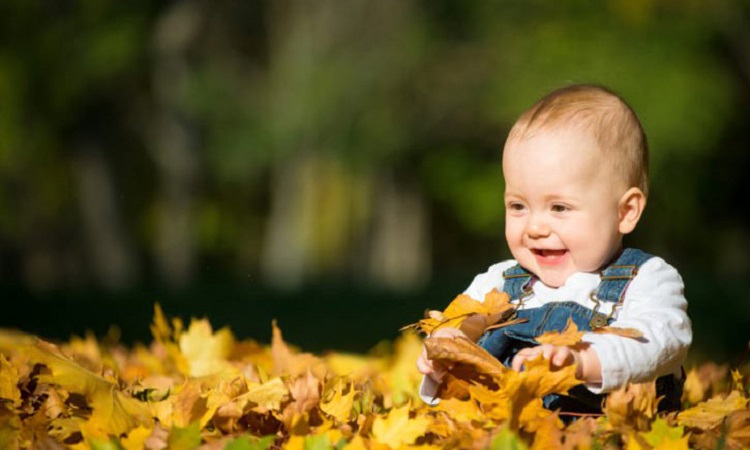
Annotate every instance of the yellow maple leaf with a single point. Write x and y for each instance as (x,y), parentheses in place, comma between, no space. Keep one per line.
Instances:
(113,411)
(9,382)
(461,410)
(338,400)
(539,379)
(664,437)
(526,389)
(136,438)
(185,407)
(711,413)
(268,395)
(634,405)
(206,351)
(398,429)
(357,443)
(694,390)
(547,432)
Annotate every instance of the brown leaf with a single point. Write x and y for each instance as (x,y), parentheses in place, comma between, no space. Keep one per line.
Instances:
(623,332)
(633,405)
(460,350)
(305,392)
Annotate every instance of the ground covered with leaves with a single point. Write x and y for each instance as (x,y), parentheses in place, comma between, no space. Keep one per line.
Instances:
(196,388)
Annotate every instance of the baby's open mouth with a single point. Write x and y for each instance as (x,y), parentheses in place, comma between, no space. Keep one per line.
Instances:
(548,253)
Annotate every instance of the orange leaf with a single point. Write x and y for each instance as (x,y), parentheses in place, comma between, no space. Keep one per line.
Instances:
(468,314)
(634,405)
(570,336)
(624,332)
(460,350)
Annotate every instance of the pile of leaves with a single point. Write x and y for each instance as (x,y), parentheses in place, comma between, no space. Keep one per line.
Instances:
(196,388)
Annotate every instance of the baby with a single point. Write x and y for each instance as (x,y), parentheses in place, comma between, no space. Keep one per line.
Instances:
(576,181)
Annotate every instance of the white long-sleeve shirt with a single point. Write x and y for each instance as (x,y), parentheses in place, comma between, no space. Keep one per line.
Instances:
(654,304)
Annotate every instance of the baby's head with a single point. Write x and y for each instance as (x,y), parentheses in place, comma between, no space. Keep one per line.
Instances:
(576,173)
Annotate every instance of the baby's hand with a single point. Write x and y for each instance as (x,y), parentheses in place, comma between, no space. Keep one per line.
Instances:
(559,356)
(434,369)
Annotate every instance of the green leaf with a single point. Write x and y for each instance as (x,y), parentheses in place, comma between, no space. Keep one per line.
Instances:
(248,443)
(661,432)
(507,440)
(319,442)
(186,438)
(111,444)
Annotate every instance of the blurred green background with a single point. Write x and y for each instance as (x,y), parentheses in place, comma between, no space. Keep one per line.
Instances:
(336,164)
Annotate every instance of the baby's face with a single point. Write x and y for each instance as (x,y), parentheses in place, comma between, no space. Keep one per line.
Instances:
(561,204)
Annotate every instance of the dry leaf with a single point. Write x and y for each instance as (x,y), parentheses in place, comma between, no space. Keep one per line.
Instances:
(9,382)
(205,351)
(570,336)
(397,429)
(338,400)
(460,350)
(711,413)
(634,404)
(468,314)
(113,411)
(622,332)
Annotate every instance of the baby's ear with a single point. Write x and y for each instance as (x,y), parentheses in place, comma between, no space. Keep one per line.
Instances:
(630,208)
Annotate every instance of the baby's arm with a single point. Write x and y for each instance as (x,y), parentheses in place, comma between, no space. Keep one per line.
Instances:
(654,305)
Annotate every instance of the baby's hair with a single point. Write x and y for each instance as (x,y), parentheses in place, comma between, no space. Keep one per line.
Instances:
(615,125)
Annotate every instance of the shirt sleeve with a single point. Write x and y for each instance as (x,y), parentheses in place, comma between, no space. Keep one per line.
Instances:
(655,305)
(489,280)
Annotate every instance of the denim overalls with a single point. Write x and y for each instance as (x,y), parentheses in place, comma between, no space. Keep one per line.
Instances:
(505,342)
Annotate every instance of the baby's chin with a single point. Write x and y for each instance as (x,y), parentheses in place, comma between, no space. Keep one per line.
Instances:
(555,278)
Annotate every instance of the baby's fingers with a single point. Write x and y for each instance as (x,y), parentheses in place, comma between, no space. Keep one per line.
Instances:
(562,358)
(424,366)
(524,355)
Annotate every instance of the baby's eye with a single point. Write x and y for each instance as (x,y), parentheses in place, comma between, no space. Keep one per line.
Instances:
(515,206)
(558,208)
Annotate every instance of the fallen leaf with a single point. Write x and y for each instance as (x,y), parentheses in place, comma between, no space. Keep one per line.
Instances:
(634,405)
(711,413)
(114,412)
(570,336)
(622,332)
(468,314)
(460,350)
(206,351)
(397,429)
(338,400)
(662,436)
(9,382)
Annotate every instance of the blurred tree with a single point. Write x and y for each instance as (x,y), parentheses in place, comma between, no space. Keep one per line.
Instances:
(330,140)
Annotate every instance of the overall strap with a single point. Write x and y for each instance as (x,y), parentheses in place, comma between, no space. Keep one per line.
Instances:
(614,280)
(518,281)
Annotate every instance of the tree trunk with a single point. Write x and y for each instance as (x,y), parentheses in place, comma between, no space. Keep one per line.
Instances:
(400,253)
(111,259)
(173,146)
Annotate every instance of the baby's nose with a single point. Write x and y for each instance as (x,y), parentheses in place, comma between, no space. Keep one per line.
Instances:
(537,229)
